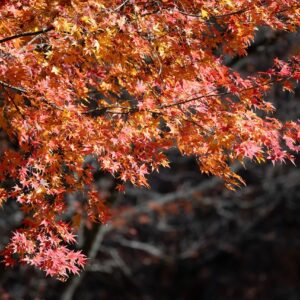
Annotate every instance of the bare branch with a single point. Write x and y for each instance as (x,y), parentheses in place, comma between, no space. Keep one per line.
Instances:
(150,249)
(119,262)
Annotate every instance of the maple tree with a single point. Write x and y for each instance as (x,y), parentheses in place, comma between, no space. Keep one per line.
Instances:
(123,81)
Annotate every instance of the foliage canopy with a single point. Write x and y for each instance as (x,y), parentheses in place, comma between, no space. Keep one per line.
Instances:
(124,81)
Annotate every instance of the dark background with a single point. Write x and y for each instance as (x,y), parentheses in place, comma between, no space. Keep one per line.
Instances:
(187,237)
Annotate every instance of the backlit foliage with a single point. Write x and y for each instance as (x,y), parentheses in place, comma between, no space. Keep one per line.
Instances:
(124,81)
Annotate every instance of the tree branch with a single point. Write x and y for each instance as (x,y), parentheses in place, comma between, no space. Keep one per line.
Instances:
(12,87)
(24,34)
(240,11)
(137,245)
(218,94)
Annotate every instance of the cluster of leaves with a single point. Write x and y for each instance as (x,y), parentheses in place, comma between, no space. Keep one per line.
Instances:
(123,81)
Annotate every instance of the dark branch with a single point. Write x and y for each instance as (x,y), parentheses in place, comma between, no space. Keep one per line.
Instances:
(12,87)
(237,12)
(240,11)
(23,91)
(24,34)
(218,94)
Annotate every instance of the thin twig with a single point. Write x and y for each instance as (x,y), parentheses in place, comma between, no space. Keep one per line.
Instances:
(216,94)
(214,16)
(120,6)
(30,42)
(17,107)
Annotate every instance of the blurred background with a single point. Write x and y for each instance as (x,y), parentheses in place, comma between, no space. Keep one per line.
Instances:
(187,237)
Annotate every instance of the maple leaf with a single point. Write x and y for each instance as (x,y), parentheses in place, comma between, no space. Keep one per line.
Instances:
(248,149)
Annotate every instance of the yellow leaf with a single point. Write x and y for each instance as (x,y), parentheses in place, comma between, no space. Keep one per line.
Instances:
(204,14)
(86,19)
(228,2)
(55,70)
